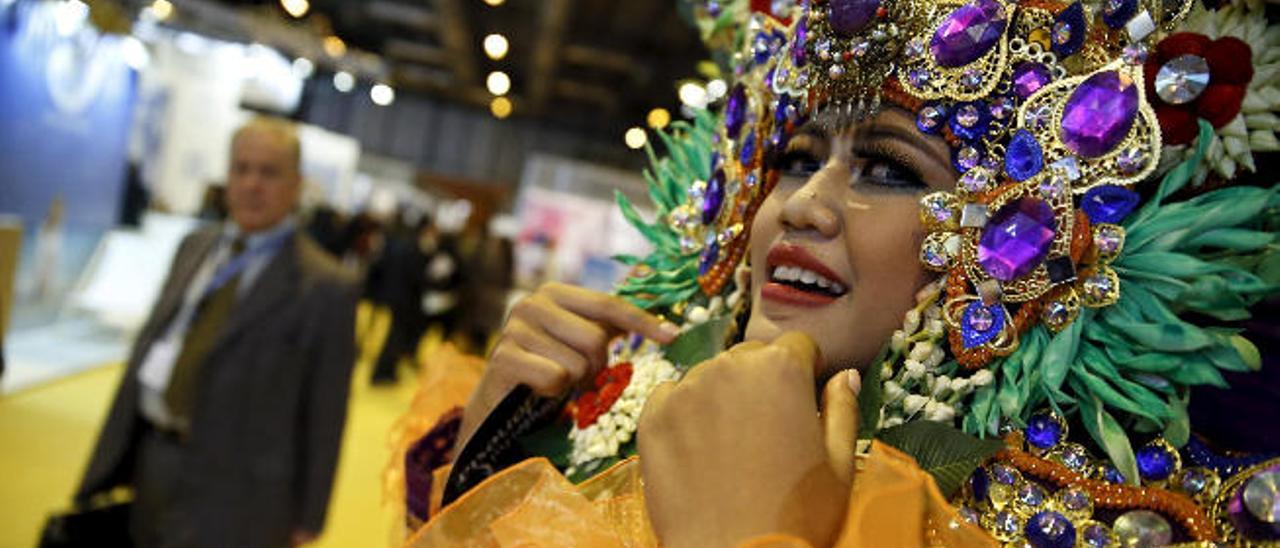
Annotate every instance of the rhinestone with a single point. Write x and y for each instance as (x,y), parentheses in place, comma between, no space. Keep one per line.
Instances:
(1135,54)
(1074,457)
(968,158)
(835,72)
(915,48)
(1068,166)
(968,514)
(1109,203)
(1057,314)
(1116,12)
(976,180)
(1060,269)
(689,245)
(709,256)
(823,50)
(968,115)
(1001,108)
(1006,525)
(1131,160)
(1099,287)
(1003,473)
(1038,117)
(1194,481)
(971,78)
(1096,535)
(847,17)
(982,319)
(859,49)
(1140,26)
(1052,187)
(973,216)
(1043,431)
(936,206)
(981,323)
(918,78)
(1108,238)
(930,118)
(1061,32)
(1029,77)
(968,32)
(938,252)
(1016,238)
(1182,79)
(1023,158)
(1075,502)
(1143,529)
(1099,113)
(1031,495)
(1262,496)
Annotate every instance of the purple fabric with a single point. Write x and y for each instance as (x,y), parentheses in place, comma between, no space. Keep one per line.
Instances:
(423,457)
(1231,418)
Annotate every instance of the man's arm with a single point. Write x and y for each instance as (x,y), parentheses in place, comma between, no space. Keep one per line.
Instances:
(325,402)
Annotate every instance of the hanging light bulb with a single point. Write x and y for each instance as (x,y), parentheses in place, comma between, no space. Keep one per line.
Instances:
(382,95)
(495,46)
(659,118)
(296,8)
(498,82)
(500,107)
(635,138)
(343,81)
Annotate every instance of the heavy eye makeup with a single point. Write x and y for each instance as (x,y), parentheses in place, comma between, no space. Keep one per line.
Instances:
(877,165)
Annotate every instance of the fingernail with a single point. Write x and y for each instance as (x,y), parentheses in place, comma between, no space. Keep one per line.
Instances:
(669,329)
(855,381)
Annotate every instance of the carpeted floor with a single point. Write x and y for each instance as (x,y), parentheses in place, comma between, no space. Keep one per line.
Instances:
(46,434)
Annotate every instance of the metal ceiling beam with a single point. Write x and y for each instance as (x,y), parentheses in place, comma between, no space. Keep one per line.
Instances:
(551,30)
(416,52)
(458,40)
(406,15)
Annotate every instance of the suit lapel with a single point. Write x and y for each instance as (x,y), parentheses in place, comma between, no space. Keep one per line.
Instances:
(185,269)
(276,284)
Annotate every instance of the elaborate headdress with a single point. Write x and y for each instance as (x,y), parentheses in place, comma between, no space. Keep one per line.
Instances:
(1087,273)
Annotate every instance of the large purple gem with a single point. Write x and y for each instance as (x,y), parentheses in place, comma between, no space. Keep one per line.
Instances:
(797,48)
(847,17)
(1016,238)
(735,111)
(1099,114)
(967,33)
(714,198)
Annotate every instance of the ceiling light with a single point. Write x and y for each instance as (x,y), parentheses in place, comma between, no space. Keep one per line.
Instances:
(343,81)
(635,138)
(693,95)
(162,9)
(295,8)
(659,118)
(134,53)
(495,46)
(498,83)
(494,3)
(303,68)
(382,95)
(334,46)
(716,89)
(500,107)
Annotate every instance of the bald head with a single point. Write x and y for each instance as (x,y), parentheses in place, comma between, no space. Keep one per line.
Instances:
(264,180)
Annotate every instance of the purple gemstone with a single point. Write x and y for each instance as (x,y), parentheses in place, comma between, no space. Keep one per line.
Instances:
(709,257)
(1029,77)
(735,111)
(847,17)
(1016,238)
(714,198)
(1099,114)
(1043,432)
(797,49)
(967,33)
(1109,203)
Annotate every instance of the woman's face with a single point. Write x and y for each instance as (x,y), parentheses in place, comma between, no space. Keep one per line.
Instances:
(834,246)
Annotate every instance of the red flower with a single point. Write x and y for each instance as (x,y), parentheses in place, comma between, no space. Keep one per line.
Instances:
(1230,70)
(609,386)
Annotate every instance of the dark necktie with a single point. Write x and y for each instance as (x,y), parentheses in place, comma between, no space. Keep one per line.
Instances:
(206,325)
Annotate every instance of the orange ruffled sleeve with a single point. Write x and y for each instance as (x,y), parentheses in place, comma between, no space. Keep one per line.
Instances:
(893,503)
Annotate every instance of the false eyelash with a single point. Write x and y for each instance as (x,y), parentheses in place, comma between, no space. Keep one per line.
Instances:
(881,152)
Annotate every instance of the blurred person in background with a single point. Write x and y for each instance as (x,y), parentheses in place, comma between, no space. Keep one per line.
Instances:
(401,275)
(228,422)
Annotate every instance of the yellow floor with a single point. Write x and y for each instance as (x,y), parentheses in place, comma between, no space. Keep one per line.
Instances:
(46,434)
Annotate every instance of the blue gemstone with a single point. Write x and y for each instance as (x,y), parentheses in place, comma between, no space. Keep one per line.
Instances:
(980,484)
(748,150)
(1069,30)
(1050,530)
(1109,203)
(1043,432)
(1154,463)
(735,111)
(1023,158)
(780,109)
(709,257)
(714,198)
(979,324)
(965,112)
(1115,13)
(1113,475)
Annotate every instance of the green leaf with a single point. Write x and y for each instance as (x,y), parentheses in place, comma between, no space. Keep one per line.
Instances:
(947,454)
(1116,443)
(699,343)
(1248,352)
(551,442)
(871,398)
(1178,429)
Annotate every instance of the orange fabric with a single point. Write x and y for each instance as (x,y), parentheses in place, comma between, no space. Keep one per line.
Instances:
(446,379)
(893,503)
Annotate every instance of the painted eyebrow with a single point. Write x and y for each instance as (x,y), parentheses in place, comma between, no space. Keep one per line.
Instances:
(911,137)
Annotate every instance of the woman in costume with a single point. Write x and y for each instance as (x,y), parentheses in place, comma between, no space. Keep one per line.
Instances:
(998,243)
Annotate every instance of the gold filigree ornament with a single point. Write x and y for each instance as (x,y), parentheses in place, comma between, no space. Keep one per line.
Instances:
(1220,513)
(1089,163)
(927,75)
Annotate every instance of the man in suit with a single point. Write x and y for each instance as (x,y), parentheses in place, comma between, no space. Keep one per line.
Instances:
(229,419)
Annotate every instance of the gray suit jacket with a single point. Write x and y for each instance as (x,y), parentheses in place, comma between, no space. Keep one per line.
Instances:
(267,424)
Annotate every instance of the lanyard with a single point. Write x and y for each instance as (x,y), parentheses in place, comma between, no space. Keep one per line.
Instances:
(239,263)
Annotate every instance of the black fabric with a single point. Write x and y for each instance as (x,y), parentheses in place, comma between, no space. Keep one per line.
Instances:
(104,525)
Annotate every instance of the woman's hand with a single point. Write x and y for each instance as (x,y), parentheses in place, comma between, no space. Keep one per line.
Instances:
(553,339)
(738,449)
